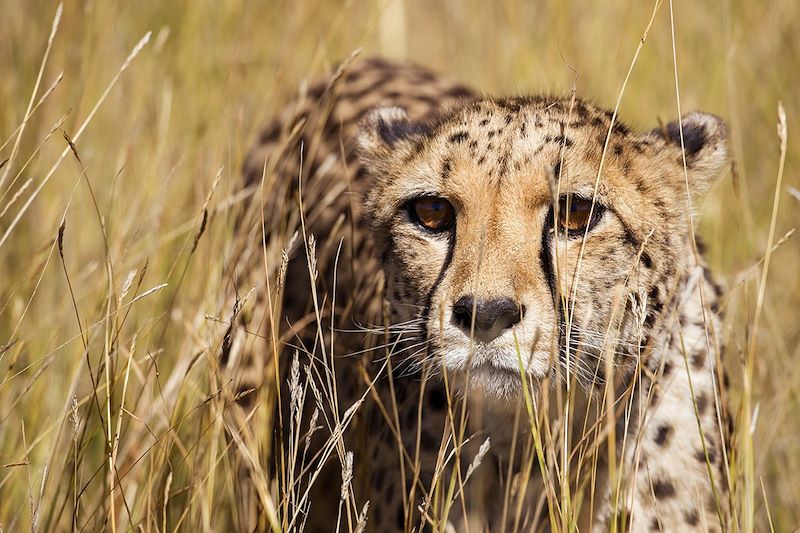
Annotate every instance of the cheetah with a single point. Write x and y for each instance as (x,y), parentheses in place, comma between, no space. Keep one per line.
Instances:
(455,258)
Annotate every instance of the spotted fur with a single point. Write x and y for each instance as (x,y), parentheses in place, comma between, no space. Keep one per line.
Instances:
(629,296)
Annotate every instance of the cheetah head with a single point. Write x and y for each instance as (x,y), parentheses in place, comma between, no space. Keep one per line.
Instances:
(522,240)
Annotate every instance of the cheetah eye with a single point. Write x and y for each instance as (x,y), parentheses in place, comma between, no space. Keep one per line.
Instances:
(432,213)
(576,213)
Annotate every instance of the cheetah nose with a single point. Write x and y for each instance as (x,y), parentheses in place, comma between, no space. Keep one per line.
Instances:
(492,317)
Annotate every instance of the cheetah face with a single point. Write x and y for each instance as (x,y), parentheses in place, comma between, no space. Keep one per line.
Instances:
(517,246)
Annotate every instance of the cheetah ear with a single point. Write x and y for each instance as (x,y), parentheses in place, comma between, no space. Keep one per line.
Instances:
(705,143)
(384,132)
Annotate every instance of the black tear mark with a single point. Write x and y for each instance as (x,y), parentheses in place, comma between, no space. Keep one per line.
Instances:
(546,258)
(694,136)
(451,245)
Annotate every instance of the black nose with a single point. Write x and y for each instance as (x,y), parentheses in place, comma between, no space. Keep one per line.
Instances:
(492,317)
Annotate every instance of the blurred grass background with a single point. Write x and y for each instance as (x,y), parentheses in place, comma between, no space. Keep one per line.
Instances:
(192,102)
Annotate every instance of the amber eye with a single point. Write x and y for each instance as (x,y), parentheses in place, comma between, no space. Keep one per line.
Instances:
(575,213)
(432,213)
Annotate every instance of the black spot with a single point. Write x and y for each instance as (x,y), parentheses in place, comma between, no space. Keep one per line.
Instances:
(655,524)
(698,360)
(663,433)
(508,119)
(503,164)
(621,128)
(663,488)
(510,104)
(656,306)
(447,168)
(484,122)
(458,137)
(354,75)
(701,456)
(631,239)
(458,92)
(601,141)
(691,517)
(652,294)
(360,94)
(564,141)
(617,150)
(702,403)
(647,261)
(270,134)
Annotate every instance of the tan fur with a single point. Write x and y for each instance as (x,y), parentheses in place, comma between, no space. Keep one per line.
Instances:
(626,295)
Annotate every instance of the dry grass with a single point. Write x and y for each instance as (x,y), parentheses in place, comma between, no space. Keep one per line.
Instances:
(114,238)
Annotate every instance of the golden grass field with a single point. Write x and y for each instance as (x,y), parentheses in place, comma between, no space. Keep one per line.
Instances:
(113,256)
